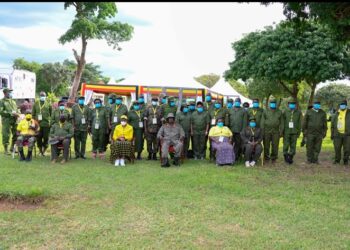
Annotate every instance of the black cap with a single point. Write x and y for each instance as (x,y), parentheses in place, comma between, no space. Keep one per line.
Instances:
(199,102)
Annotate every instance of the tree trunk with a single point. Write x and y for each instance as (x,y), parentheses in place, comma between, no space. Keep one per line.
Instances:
(80,68)
(295,93)
(311,99)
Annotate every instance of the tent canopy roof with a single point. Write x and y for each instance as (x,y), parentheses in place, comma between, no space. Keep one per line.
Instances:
(226,89)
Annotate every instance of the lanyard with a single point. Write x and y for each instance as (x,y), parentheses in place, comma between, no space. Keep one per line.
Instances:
(117,107)
(81,110)
(138,114)
(154,111)
(41,107)
(291,117)
(254,112)
(252,131)
(97,115)
(216,112)
(61,125)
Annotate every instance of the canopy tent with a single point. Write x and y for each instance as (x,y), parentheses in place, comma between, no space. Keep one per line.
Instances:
(228,91)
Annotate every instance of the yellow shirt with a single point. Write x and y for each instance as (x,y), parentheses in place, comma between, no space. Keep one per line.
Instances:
(23,127)
(127,132)
(216,131)
(341,121)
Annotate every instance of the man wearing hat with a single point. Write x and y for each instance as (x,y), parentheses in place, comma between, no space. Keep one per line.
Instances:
(152,122)
(272,125)
(9,115)
(237,122)
(171,134)
(61,110)
(256,112)
(246,106)
(162,99)
(314,129)
(136,116)
(229,104)
(100,126)
(27,129)
(81,120)
(118,109)
(42,111)
(291,118)
(184,119)
(340,133)
(61,133)
(252,137)
(168,108)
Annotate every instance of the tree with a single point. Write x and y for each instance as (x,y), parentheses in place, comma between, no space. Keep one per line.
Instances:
(239,87)
(286,57)
(332,94)
(21,63)
(208,80)
(91,22)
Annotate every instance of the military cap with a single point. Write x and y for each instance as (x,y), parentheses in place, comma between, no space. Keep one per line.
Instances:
(230,100)
(135,102)
(97,99)
(273,99)
(246,105)
(42,93)
(291,100)
(208,94)
(123,117)
(171,98)
(154,98)
(217,101)
(6,90)
(252,118)
(170,115)
(192,103)
(237,99)
(81,97)
(112,95)
(199,102)
(142,95)
(119,97)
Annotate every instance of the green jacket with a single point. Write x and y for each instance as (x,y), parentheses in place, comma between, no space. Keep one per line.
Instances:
(208,106)
(45,109)
(216,113)
(184,119)
(237,118)
(199,122)
(55,117)
(271,121)
(134,119)
(78,113)
(7,106)
(334,124)
(166,109)
(101,116)
(315,123)
(257,114)
(66,131)
(116,112)
(149,115)
(294,116)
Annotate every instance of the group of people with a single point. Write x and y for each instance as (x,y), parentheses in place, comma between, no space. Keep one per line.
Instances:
(234,131)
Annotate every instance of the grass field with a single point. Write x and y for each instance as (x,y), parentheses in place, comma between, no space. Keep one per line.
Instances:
(94,205)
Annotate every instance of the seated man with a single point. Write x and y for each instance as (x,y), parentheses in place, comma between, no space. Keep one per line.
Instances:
(61,133)
(171,134)
(27,129)
(220,137)
(251,138)
(121,145)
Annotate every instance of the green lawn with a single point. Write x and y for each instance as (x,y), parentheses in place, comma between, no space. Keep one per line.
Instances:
(94,205)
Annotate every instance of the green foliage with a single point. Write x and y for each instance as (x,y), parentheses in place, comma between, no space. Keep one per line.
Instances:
(208,80)
(21,63)
(332,94)
(52,98)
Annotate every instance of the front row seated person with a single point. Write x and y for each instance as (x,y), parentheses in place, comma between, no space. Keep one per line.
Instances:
(61,134)
(171,134)
(27,129)
(251,138)
(122,140)
(220,138)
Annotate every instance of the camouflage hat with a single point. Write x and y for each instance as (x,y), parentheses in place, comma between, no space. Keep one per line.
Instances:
(170,115)
(135,102)
(291,100)
(171,98)
(252,118)
(230,100)
(119,97)
(272,99)
(6,90)
(112,96)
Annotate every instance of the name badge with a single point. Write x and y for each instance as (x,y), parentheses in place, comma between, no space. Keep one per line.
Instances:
(115,119)
(140,124)
(154,121)
(97,125)
(40,117)
(83,120)
(213,121)
(221,139)
(291,125)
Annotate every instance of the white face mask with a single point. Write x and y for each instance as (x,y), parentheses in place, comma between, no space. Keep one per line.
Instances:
(154,103)
(123,123)
(42,98)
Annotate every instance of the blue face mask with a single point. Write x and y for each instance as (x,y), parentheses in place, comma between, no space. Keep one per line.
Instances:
(172,104)
(342,106)
(141,100)
(110,101)
(220,124)
(317,106)
(192,107)
(252,124)
(164,100)
(200,109)
(217,105)
(229,105)
(291,105)
(136,107)
(272,105)
(255,105)
(118,101)
(237,104)
(208,98)
(61,107)
(81,102)
(185,110)
(42,98)
(98,105)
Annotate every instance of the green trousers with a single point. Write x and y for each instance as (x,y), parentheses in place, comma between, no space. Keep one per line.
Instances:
(341,142)
(80,142)
(9,127)
(313,147)
(199,144)
(289,144)
(271,141)
(152,143)
(43,137)
(138,133)
(98,140)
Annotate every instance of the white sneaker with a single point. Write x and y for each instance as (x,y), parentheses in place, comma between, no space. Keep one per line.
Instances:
(252,163)
(122,162)
(247,165)
(116,163)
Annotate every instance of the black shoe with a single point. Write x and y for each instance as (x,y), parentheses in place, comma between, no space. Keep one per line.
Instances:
(21,154)
(176,161)
(138,156)
(29,156)
(346,163)
(290,159)
(149,156)
(77,157)
(286,158)
(154,156)
(83,157)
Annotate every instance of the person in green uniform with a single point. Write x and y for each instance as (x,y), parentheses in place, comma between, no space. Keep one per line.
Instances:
(229,104)
(81,120)
(42,112)
(136,117)
(191,110)
(142,103)
(118,109)
(184,119)
(111,100)
(314,129)
(152,123)
(163,99)
(168,108)
(9,114)
(62,109)
(255,112)
(208,104)
(100,125)
(237,122)
(292,118)
(340,133)
(252,138)
(272,126)
(61,133)
(199,131)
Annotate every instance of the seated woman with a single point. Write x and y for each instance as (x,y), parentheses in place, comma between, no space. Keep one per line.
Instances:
(121,145)
(220,137)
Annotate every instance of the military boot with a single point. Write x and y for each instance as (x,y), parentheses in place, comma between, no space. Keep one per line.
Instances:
(21,154)
(290,159)
(286,158)
(138,156)
(29,155)
(154,157)
(176,161)
(6,149)
(149,156)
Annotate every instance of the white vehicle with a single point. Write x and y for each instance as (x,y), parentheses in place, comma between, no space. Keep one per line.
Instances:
(22,82)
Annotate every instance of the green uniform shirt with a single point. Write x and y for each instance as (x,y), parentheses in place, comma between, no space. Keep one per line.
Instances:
(315,123)
(116,112)
(101,117)
(208,106)
(7,106)
(134,119)
(55,118)
(184,119)
(42,110)
(271,121)
(295,117)
(65,131)
(149,115)
(199,122)
(166,109)
(216,113)
(334,124)
(237,119)
(257,114)
(81,117)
